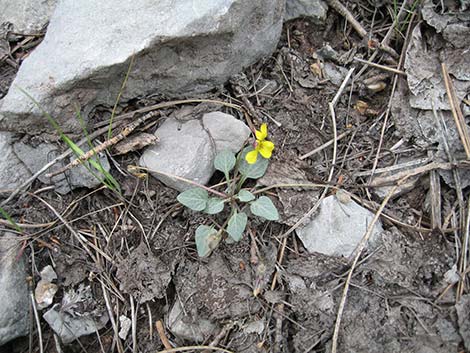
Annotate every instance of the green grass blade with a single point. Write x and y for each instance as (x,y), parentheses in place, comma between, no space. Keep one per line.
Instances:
(10,220)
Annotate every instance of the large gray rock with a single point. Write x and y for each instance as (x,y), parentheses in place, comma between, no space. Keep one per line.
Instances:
(338,228)
(187,149)
(14,307)
(36,155)
(314,9)
(12,171)
(26,16)
(180,47)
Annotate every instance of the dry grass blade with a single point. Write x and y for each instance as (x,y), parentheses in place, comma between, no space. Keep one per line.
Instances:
(381,67)
(464,254)
(36,319)
(456,111)
(435,189)
(325,145)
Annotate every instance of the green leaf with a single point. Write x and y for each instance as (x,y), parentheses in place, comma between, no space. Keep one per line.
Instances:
(264,207)
(206,240)
(214,205)
(225,161)
(253,171)
(245,196)
(236,225)
(195,198)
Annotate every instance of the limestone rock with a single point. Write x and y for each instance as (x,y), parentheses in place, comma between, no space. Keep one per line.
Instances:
(26,16)
(14,299)
(187,149)
(180,47)
(338,228)
(313,9)
(12,171)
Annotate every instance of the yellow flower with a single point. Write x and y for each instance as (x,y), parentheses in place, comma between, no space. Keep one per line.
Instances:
(264,147)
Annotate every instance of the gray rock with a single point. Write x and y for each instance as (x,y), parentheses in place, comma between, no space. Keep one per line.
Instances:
(78,315)
(184,150)
(180,47)
(185,328)
(313,9)
(227,132)
(26,16)
(14,308)
(338,228)
(187,149)
(335,73)
(37,155)
(12,171)
(68,327)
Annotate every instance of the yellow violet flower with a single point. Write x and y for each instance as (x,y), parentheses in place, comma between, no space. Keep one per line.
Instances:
(262,146)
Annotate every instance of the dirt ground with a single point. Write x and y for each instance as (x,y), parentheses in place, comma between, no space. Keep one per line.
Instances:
(137,254)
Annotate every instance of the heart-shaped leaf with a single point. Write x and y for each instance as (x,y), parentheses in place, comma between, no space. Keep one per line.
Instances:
(255,170)
(225,161)
(195,198)
(245,196)
(214,205)
(206,240)
(236,225)
(264,207)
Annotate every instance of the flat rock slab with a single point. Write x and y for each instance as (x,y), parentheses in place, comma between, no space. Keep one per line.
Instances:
(187,149)
(338,228)
(180,47)
(14,299)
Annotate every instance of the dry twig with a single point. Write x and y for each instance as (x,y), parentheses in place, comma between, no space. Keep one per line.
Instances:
(161,333)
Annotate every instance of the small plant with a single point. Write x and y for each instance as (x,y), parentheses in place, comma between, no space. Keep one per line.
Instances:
(242,202)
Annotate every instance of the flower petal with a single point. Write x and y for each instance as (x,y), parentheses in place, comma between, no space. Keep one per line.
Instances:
(266,149)
(262,133)
(252,156)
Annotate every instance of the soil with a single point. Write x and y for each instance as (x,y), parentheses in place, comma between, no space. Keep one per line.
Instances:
(140,254)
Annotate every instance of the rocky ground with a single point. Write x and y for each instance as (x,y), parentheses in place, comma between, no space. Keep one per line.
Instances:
(378,152)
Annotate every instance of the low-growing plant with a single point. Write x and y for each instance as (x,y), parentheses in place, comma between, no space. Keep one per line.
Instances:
(250,163)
